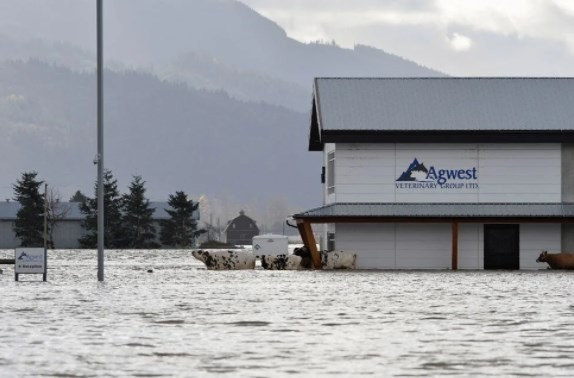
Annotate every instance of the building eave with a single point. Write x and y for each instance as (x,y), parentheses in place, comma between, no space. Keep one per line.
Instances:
(446,136)
(440,213)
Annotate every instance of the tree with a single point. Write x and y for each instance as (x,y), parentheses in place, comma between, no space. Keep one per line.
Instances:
(114,236)
(78,197)
(180,230)
(212,229)
(137,221)
(57,211)
(29,224)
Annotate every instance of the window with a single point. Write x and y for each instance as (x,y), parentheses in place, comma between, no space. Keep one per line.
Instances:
(331,173)
(330,241)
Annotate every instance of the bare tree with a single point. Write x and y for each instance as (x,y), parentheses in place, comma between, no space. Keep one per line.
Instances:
(213,229)
(57,211)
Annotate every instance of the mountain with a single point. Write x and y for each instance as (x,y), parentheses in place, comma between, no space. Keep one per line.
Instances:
(208,44)
(205,96)
(59,53)
(201,71)
(177,138)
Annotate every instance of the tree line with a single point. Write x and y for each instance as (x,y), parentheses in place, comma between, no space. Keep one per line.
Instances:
(128,221)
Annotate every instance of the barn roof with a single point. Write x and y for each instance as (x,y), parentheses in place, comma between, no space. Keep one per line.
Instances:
(441,110)
(241,217)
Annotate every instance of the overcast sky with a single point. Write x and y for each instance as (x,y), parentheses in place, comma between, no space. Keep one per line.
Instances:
(459,37)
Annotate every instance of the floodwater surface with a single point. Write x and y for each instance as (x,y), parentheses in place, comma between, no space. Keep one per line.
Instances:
(182,320)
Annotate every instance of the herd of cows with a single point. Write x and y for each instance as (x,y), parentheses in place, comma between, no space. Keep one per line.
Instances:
(300,259)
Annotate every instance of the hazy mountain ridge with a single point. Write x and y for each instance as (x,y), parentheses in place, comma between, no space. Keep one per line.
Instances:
(177,138)
(199,71)
(251,57)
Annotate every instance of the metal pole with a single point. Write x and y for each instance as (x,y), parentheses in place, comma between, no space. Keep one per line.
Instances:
(100,158)
(45,275)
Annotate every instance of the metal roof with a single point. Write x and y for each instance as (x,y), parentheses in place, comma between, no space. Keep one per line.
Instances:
(8,210)
(441,210)
(445,103)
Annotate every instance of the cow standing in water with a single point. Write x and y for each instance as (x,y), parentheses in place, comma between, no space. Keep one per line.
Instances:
(338,260)
(557,260)
(306,261)
(281,262)
(329,260)
(225,260)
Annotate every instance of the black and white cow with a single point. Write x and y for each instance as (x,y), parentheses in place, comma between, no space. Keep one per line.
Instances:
(305,254)
(338,260)
(281,262)
(329,260)
(226,260)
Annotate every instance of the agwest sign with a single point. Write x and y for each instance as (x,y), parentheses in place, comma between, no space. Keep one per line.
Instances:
(418,176)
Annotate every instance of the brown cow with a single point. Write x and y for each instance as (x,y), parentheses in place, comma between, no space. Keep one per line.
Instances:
(557,260)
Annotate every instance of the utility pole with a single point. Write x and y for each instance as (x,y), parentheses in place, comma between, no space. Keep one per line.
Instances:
(45,275)
(100,156)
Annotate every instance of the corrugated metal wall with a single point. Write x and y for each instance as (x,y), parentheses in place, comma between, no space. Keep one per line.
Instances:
(428,246)
(506,172)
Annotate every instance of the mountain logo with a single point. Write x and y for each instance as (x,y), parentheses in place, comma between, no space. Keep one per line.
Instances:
(416,172)
(23,256)
(30,258)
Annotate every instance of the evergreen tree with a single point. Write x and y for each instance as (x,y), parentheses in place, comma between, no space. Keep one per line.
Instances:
(137,221)
(29,224)
(180,230)
(78,197)
(114,236)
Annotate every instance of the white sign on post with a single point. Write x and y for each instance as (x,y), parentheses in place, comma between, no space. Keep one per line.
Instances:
(29,261)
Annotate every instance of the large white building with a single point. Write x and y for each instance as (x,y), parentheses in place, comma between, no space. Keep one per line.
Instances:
(444,173)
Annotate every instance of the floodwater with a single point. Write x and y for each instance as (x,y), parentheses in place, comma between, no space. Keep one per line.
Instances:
(182,320)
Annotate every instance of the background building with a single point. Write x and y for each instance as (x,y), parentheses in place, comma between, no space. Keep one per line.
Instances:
(241,230)
(69,229)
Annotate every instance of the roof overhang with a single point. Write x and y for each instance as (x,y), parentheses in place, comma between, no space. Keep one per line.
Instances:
(440,213)
(449,136)
(441,110)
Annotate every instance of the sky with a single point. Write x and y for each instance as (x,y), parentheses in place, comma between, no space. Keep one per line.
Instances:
(458,37)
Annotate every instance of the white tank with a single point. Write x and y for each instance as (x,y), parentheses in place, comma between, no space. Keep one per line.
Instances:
(270,245)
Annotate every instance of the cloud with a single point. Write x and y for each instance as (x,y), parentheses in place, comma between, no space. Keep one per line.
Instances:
(434,32)
(460,42)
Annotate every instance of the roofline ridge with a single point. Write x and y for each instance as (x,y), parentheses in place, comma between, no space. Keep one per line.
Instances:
(316,79)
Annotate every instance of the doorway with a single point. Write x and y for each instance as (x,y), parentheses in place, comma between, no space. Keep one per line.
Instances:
(501,246)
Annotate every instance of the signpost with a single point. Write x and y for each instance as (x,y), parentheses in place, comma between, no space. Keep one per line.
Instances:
(34,260)
(30,261)
(100,156)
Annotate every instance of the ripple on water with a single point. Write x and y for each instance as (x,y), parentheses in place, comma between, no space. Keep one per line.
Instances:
(139,345)
(172,321)
(249,323)
(175,354)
